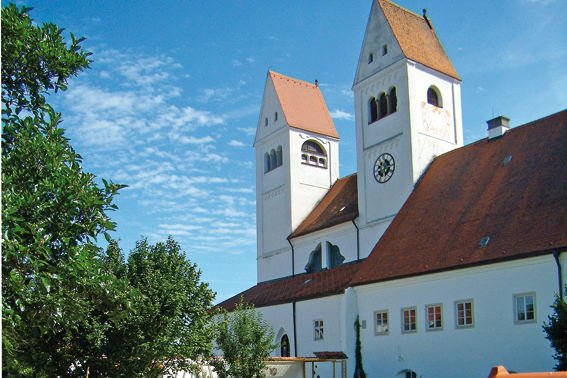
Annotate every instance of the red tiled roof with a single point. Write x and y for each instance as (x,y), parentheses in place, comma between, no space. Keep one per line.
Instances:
(417,39)
(296,288)
(339,205)
(303,105)
(468,194)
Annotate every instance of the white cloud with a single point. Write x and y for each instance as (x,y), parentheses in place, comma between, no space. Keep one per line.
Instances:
(250,131)
(236,63)
(235,143)
(339,114)
(251,60)
(193,140)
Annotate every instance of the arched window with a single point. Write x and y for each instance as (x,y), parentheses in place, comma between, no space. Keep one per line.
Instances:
(284,349)
(383,106)
(370,58)
(393,103)
(314,264)
(373,110)
(266,162)
(335,259)
(273,159)
(279,154)
(433,97)
(313,154)
(313,147)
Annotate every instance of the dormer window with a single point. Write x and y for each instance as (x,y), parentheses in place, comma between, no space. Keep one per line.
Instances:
(384,50)
(370,58)
(434,97)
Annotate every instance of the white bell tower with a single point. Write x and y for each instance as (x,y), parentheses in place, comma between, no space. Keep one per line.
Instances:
(297,162)
(407,109)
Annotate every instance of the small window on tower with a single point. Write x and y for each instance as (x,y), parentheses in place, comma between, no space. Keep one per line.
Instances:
(276,117)
(384,50)
(266,122)
(370,58)
(434,97)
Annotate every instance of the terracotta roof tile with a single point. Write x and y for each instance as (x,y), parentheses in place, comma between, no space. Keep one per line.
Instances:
(303,105)
(296,288)
(469,194)
(417,39)
(339,205)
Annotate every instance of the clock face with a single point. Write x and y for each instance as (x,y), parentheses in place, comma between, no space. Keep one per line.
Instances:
(384,168)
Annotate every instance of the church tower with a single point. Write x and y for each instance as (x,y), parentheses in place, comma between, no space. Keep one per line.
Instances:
(297,162)
(407,109)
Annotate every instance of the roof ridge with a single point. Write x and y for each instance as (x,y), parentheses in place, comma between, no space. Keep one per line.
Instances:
(404,9)
(293,79)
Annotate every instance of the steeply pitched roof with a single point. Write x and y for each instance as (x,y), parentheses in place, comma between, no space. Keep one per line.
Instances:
(417,38)
(296,288)
(339,205)
(470,193)
(303,105)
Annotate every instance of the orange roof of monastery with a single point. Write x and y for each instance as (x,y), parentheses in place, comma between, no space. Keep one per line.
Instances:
(417,38)
(339,205)
(303,105)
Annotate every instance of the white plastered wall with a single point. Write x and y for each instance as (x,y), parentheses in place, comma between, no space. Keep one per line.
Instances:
(436,129)
(494,339)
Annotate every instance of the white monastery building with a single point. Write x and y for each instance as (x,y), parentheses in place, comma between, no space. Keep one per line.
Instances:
(450,255)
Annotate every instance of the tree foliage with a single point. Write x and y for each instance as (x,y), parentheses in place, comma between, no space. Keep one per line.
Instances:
(170,326)
(70,308)
(35,59)
(52,211)
(556,331)
(245,340)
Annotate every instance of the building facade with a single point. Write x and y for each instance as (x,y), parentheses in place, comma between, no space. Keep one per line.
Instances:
(449,255)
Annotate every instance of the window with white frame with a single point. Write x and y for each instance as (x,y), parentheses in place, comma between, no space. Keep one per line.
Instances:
(409,320)
(464,314)
(381,325)
(318,329)
(434,314)
(524,308)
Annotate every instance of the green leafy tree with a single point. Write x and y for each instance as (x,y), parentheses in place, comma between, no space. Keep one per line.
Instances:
(245,340)
(556,331)
(52,213)
(169,328)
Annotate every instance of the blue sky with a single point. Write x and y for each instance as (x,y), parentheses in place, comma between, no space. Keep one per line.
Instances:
(172,99)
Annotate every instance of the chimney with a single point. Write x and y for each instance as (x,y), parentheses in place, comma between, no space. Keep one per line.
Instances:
(498,126)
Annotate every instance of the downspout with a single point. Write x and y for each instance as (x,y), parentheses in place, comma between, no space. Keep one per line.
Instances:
(294,333)
(556,256)
(292,259)
(357,241)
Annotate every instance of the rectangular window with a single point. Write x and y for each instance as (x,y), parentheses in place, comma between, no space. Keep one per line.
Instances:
(464,314)
(409,320)
(524,308)
(318,329)
(381,323)
(434,315)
